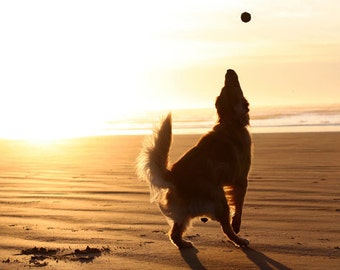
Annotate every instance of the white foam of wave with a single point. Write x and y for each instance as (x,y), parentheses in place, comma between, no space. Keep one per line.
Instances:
(198,121)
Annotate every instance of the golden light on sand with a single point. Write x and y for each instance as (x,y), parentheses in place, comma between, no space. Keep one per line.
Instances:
(84,194)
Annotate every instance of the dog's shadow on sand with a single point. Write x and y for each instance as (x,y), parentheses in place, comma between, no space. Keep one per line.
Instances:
(262,261)
(190,257)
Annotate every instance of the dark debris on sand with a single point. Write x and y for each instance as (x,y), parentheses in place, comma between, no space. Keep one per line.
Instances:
(87,255)
(39,251)
(40,256)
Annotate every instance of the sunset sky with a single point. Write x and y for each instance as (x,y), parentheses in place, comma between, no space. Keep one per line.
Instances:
(67,65)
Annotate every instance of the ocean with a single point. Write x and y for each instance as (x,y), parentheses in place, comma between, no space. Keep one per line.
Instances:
(190,121)
(263,120)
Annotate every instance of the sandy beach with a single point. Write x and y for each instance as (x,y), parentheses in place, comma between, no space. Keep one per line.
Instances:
(76,204)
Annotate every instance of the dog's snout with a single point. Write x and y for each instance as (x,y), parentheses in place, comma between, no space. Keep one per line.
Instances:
(246,107)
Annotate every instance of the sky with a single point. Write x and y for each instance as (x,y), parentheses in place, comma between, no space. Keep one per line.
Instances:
(65,66)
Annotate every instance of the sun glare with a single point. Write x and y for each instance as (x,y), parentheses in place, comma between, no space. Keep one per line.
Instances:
(39,120)
(89,63)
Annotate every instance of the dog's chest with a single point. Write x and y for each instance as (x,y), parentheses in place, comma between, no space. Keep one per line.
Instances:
(232,160)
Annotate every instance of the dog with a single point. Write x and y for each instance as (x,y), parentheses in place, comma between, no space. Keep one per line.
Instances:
(210,180)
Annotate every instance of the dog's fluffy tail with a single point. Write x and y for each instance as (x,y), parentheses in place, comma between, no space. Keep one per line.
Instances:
(152,161)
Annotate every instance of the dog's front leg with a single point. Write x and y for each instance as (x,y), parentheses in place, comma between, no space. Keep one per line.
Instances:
(235,195)
(223,216)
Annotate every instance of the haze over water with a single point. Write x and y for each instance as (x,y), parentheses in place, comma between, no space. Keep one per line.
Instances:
(263,120)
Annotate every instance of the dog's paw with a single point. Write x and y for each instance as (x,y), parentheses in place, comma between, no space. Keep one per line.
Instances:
(242,242)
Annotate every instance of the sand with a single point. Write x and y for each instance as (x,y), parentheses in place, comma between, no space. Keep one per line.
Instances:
(77,204)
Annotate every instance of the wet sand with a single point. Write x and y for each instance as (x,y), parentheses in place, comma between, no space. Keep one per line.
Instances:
(77,204)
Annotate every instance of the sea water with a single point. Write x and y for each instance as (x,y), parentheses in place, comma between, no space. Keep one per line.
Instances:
(263,120)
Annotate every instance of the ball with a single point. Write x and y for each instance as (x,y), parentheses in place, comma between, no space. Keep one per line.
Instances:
(245,17)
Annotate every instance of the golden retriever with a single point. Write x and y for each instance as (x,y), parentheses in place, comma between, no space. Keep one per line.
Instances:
(210,180)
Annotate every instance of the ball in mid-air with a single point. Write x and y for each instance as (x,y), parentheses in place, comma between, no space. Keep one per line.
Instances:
(245,17)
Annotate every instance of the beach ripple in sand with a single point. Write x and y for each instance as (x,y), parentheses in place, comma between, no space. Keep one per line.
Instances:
(74,198)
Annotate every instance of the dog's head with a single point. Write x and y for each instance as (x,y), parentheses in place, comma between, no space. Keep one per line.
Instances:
(232,107)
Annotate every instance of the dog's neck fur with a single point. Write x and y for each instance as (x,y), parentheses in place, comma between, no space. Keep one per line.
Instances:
(233,121)
(227,131)
(231,116)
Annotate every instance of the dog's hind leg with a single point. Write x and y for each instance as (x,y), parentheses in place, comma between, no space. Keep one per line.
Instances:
(176,234)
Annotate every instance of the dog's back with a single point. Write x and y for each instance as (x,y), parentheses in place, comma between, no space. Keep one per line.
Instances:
(219,158)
